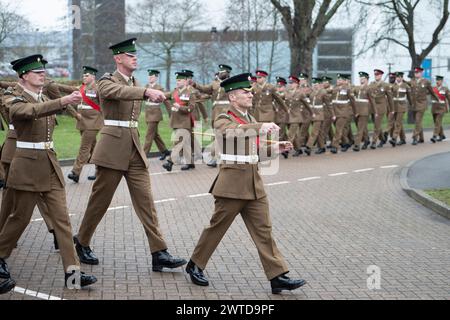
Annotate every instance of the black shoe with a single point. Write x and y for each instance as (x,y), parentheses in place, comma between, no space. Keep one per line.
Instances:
(4,271)
(393,142)
(188,167)
(421,141)
(164,155)
(55,242)
(414,142)
(386,137)
(212,164)
(381,145)
(333,150)
(163,259)
(6,285)
(92,178)
(85,254)
(298,153)
(345,147)
(284,283)
(168,166)
(443,138)
(84,281)
(285,154)
(366,145)
(72,176)
(197,276)
(2,184)
(329,146)
(401,143)
(321,151)
(434,139)
(356,149)
(373,146)
(308,151)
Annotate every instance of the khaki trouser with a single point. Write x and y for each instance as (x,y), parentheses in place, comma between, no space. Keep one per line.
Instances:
(304,133)
(138,181)
(349,133)
(363,132)
(255,214)
(316,135)
(283,131)
(8,205)
(22,211)
(398,126)
(185,145)
(418,131)
(2,172)
(438,129)
(391,123)
(294,135)
(88,142)
(378,128)
(341,131)
(327,129)
(153,135)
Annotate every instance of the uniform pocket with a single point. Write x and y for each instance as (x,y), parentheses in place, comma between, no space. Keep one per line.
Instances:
(112,131)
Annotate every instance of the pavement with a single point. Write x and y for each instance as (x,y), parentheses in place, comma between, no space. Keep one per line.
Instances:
(430,173)
(337,219)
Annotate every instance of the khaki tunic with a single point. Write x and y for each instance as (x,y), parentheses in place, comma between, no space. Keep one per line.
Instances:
(419,92)
(264,98)
(441,106)
(381,97)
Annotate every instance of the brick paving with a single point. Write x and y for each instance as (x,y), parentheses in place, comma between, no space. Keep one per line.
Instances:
(330,230)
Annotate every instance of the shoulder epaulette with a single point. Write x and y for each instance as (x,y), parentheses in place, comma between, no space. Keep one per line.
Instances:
(106,76)
(224,116)
(8,92)
(18,99)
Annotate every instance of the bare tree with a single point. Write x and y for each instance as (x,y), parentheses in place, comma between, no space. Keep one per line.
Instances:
(305,21)
(399,20)
(166,22)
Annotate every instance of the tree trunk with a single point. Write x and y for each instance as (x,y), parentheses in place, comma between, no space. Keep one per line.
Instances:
(169,63)
(301,59)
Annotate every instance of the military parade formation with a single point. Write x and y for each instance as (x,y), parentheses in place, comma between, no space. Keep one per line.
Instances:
(299,116)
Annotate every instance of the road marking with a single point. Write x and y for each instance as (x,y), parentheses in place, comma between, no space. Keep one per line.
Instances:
(309,179)
(199,195)
(117,208)
(165,200)
(364,170)
(389,167)
(35,294)
(338,174)
(164,173)
(277,183)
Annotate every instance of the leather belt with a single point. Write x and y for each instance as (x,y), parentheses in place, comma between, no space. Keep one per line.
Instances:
(152,104)
(318,106)
(241,159)
(83,107)
(121,124)
(341,101)
(400,99)
(221,102)
(362,100)
(35,145)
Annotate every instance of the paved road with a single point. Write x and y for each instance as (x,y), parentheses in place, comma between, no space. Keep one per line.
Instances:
(333,217)
(431,173)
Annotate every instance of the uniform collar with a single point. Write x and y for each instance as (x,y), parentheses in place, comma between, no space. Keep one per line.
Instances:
(33,95)
(126,78)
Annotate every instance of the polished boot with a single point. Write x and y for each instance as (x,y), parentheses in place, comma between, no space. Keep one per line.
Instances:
(285,154)
(381,145)
(187,167)
(84,280)
(333,150)
(85,254)
(321,151)
(92,178)
(415,143)
(196,274)
(4,271)
(308,151)
(72,176)
(168,166)
(401,143)
(434,139)
(163,259)
(356,148)
(164,155)
(366,145)
(212,164)
(298,153)
(373,146)
(55,242)
(284,283)
(2,184)
(386,137)
(6,283)
(393,142)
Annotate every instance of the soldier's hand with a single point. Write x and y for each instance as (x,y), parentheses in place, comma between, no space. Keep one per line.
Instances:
(269,127)
(334,119)
(285,146)
(79,117)
(155,96)
(74,98)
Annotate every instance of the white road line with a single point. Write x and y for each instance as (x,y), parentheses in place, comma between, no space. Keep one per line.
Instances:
(117,208)
(338,174)
(35,294)
(364,170)
(277,183)
(309,179)
(165,200)
(199,195)
(389,167)
(164,173)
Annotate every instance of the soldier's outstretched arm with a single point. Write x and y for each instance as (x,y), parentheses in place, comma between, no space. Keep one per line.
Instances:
(280,101)
(20,109)
(208,89)
(6,84)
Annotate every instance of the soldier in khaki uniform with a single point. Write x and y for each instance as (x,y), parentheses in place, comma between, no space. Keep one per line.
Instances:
(282,117)
(153,116)
(296,103)
(218,98)
(33,117)
(182,121)
(344,108)
(420,89)
(307,116)
(391,116)
(319,102)
(238,189)
(402,95)
(439,109)
(89,122)
(363,106)
(265,99)
(329,116)
(381,96)
(119,154)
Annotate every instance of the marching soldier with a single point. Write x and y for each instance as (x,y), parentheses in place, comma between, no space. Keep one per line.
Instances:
(33,117)
(391,116)
(218,98)
(420,89)
(402,95)
(153,116)
(89,122)
(296,103)
(281,118)
(239,189)
(381,97)
(344,109)
(182,121)
(439,109)
(319,102)
(265,98)
(363,106)
(119,154)
(307,116)
(327,126)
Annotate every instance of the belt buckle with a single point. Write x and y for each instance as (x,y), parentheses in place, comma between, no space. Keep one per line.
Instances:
(254,159)
(133,124)
(47,145)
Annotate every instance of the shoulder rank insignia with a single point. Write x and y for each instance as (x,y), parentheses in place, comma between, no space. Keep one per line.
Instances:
(18,99)
(106,76)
